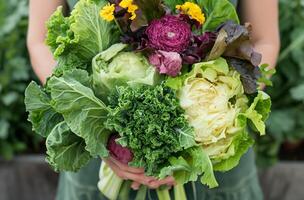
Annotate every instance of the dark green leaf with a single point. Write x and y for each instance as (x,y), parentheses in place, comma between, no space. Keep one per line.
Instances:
(41,114)
(65,150)
(82,110)
(217,12)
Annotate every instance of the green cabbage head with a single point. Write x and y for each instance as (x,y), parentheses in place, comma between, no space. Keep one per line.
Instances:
(216,106)
(115,67)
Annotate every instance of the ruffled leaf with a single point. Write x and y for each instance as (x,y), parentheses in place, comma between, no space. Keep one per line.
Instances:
(41,114)
(82,110)
(65,150)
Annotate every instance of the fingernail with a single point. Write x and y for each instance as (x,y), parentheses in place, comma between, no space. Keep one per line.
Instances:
(135,188)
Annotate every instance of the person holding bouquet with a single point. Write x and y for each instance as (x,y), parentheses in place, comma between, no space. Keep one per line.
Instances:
(238,184)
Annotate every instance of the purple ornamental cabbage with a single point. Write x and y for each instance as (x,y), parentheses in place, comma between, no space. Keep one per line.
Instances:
(199,48)
(170,33)
(169,63)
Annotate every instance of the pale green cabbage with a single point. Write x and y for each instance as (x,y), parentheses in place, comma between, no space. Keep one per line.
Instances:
(114,67)
(216,106)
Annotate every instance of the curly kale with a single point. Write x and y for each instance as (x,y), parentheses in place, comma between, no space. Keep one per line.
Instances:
(151,123)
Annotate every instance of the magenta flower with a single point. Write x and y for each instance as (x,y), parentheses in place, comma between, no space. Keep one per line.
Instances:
(170,33)
(169,63)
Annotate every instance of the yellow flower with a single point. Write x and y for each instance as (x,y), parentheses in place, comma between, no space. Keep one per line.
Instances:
(193,10)
(107,12)
(131,10)
(128,4)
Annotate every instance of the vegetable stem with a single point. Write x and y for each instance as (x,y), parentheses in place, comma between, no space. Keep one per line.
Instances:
(125,190)
(109,183)
(141,194)
(179,192)
(163,194)
(118,26)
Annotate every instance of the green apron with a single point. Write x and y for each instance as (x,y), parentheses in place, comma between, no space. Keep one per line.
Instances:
(241,183)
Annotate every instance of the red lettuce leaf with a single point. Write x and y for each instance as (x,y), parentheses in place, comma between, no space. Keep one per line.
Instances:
(234,41)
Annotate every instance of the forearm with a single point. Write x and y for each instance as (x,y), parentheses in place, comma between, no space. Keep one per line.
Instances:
(263,16)
(42,61)
(269,53)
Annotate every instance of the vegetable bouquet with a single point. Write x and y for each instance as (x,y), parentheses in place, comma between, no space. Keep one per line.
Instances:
(169,86)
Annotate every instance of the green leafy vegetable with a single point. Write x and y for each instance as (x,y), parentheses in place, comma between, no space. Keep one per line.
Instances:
(93,33)
(59,36)
(213,98)
(151,123)
(76,39)
(240,146)
(265,74)
(189,165)
(113,67)
(41,114)
(65,150)
(258,111)
(82,110)
(217,12)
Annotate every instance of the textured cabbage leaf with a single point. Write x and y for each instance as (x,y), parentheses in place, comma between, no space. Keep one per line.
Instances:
(82,110)
(239,146)
(59,36)
(80,36)
(65,150)
(258,112)
(41,114)
(92,32)
(217,12)
(112,68)
(189,166)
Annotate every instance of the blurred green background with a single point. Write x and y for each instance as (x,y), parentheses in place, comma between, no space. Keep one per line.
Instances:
(15,73)
(285,126)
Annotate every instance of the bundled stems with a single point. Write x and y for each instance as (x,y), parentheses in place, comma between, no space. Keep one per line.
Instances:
(163,194)
(179,192)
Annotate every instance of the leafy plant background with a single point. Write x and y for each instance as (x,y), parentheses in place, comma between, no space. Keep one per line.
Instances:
(286,121)
(15,73)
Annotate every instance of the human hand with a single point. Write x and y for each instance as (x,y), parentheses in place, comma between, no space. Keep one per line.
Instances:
(137,175)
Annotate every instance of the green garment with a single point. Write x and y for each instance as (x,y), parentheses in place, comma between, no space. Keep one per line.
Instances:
(241,183)
(71,3)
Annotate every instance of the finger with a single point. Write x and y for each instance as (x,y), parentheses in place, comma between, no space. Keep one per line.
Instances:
(126,167)
(166,181)
(115,168)
(135,185)
(139,178)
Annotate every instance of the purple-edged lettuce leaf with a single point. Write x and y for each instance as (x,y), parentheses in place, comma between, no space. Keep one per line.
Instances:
(234,41)
(250,74)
